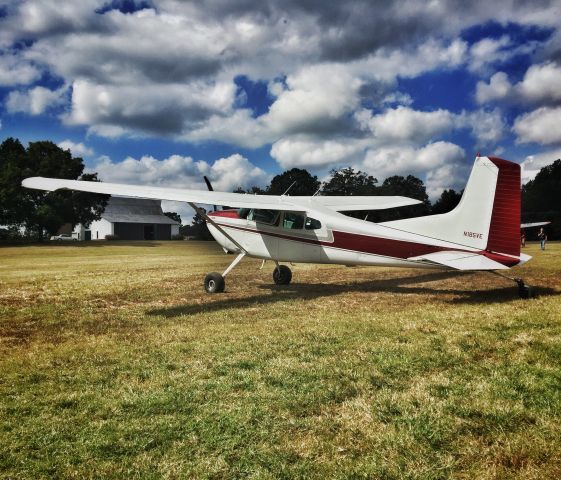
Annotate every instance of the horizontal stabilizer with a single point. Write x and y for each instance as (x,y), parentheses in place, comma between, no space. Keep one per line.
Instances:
(535,224)
(460,261)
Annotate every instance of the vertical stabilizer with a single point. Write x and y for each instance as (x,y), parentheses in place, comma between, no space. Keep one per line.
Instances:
(488,215)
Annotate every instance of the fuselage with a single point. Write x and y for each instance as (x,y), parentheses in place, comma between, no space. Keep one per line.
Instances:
(324,237)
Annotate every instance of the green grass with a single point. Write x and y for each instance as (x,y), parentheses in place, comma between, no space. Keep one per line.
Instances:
(115,363)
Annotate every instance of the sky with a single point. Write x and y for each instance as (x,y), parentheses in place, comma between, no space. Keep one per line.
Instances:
(162,92)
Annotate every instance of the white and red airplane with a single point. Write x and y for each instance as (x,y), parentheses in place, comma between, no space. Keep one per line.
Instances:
(481,233)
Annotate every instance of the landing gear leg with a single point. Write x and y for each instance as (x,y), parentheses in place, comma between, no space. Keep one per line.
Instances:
(215,283)
(524,291)
(282,275)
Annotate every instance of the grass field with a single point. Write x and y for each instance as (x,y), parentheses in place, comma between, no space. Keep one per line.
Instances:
(114,363)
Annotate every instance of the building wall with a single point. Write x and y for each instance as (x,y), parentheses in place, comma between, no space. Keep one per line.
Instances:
(99,229)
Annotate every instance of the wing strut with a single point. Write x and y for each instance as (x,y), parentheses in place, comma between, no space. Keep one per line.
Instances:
(203,214)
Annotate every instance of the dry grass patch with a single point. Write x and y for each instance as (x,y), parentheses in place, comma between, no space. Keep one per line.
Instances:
(115,363)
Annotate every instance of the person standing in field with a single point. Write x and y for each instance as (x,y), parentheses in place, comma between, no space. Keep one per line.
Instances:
(542,238)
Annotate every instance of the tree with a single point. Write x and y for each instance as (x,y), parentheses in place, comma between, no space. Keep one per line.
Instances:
(409,186)
(197,229)
(12,157)
(348,182)
(252,190)
(37,210)
(398,185)
(447,201)
(541,198)
(302,183)
(544,191)
(174,216)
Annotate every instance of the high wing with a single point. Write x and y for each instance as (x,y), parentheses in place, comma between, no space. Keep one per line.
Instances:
(535,224)
(236,200)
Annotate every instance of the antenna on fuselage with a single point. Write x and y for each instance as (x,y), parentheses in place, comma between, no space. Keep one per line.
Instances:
(291,185)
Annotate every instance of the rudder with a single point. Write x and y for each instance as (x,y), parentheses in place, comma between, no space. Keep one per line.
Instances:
(504,230)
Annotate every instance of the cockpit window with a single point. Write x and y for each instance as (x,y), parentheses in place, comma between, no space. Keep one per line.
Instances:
(243,212)
(312,224)
(269,217)
(293,220)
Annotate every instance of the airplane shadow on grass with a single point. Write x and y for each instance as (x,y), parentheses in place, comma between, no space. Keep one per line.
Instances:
(400,285)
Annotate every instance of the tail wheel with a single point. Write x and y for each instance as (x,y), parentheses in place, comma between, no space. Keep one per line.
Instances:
(214,283)
(282,275)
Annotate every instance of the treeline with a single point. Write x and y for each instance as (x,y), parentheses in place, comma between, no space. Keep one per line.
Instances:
(349,181)
(33,214)
(541,200)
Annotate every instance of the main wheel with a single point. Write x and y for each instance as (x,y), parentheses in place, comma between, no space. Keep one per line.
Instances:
(282,275)
(214,283)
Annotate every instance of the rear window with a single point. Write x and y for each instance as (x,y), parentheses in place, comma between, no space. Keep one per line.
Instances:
(312,224)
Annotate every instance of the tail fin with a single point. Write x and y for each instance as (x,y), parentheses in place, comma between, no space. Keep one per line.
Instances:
(488,215)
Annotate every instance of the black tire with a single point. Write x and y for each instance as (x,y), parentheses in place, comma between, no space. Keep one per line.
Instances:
(282,275)
(525,291)
(214,283)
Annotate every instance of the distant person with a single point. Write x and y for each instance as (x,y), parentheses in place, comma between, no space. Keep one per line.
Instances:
(542,237)
(523,238)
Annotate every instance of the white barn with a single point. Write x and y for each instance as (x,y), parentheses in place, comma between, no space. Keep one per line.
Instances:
(130,219)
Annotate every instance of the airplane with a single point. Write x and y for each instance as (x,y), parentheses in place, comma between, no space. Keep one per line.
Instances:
(482,233)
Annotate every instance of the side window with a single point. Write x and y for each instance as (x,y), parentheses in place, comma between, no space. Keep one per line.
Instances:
(293,221)
(244,212)
(269,217)
(312,224)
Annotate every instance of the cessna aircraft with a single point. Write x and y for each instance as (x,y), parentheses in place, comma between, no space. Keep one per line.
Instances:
(481,233)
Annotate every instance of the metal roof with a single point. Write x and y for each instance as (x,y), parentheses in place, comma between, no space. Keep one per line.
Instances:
(135,210)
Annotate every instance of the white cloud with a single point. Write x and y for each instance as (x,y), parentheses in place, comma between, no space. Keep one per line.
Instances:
(36,100)
(539,85)
(498,88)
(542,83)
(77,149)
(404,124)
(488,51)
(532,164)
(235,171)
(16,71)
(148,108)
(439,162)
(540,126)
(309,153)
(181,172)
(488,126)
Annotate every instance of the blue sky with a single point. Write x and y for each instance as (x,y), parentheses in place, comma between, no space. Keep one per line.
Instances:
(163,92)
